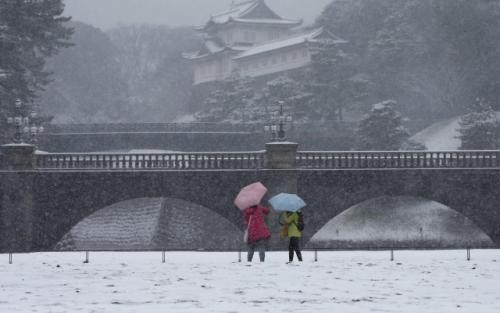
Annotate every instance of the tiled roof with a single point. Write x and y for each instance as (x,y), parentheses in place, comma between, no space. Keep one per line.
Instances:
(238,12)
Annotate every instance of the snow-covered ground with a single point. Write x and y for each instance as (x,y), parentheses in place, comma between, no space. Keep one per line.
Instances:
(442,135)
(417,281)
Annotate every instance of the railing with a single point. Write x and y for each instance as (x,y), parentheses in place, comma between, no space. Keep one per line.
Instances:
(398,159)
(255,160)
(169,161)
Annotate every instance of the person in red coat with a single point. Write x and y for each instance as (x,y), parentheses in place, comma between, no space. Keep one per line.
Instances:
(258,233)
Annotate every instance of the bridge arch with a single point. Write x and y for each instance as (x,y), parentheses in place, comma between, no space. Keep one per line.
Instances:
(63,199)
(471,193)
(153,224)
(400,222)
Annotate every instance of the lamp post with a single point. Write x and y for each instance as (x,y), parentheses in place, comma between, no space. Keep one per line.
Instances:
(278,122)
(26,127)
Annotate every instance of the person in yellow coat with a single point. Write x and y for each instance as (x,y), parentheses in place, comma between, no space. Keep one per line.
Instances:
(290,220)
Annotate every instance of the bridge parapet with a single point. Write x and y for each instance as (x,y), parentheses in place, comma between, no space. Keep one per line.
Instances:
(151,161)
(276,156)
(398,159)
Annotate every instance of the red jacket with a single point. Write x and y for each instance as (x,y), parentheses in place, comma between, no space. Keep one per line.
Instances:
(257,230)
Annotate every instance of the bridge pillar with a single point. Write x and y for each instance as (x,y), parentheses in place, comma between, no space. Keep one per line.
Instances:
(17,199)
(281,155)
(280,161)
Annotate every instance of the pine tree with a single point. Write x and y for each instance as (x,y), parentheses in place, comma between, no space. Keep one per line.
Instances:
(480,129)
(288,90)
(30,31)
(335,81)
(230,102)
(382,128)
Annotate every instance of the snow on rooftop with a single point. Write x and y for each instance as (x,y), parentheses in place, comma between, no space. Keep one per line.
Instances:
(239,11)
(268,21)
(282,43)
(236,11)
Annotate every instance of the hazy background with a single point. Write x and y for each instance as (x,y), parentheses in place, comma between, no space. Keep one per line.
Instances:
(110,13)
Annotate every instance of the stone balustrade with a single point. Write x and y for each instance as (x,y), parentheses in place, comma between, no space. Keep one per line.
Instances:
(276,156)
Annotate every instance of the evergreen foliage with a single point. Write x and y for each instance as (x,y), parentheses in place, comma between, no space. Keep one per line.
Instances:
(30,31)
(382,128)
(334,81)
(231,102)
(433,56)
(480,128)
(290,91)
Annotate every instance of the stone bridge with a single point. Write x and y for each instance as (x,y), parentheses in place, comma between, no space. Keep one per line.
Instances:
(44,195)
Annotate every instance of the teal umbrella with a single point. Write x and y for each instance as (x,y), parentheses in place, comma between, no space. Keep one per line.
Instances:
(287,202)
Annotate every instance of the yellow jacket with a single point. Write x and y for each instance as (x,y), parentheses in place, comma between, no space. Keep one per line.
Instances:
(291,220)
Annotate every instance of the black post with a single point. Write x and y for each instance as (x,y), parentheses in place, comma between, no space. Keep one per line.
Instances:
(281,117)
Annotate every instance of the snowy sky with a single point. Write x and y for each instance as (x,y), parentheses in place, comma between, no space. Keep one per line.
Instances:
(109,13)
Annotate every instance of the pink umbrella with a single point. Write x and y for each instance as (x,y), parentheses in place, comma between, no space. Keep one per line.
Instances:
(250,195)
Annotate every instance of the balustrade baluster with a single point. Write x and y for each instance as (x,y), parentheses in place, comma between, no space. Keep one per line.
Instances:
(473,159)
(166,161)
(143,164)
(128,161)
(377,162)
(234,161)
(223,161)
(461,159)
(386,157)
(172,161)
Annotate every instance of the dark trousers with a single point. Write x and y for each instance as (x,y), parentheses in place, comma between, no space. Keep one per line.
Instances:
(294,246)
(261,245)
